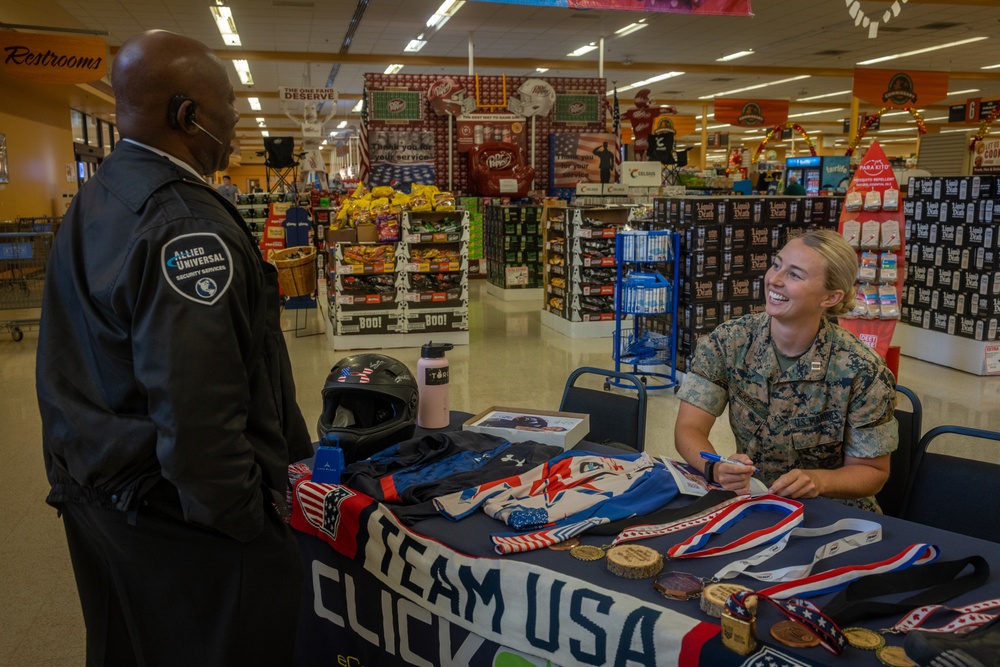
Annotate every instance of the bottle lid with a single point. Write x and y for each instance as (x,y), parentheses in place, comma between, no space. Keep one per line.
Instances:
(431,351)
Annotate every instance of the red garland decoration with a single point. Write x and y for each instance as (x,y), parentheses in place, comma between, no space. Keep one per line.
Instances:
(984,128)
(874,118)
(777,129)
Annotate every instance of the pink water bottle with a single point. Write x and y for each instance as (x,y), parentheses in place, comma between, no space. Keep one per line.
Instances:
(432,382)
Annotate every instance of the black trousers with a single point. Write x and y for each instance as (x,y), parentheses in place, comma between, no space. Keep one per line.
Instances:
(157,590)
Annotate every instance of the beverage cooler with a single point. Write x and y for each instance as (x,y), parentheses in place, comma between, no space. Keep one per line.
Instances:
(830,173)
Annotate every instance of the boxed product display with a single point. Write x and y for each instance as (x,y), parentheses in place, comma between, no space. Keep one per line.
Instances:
(563,429)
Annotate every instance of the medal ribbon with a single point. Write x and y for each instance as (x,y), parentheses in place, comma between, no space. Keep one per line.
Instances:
(729,516)
(655,530)
(866,532)
(971,616)
(801,611)
(834,580)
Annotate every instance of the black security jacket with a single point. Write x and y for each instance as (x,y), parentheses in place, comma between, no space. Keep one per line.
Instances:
(160,354)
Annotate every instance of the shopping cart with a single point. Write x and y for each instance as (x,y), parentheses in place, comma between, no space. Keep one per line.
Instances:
(23,255)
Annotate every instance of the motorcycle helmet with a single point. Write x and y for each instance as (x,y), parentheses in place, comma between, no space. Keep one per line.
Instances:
(369,403)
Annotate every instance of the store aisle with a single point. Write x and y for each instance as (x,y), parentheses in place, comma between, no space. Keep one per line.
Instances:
(511,360)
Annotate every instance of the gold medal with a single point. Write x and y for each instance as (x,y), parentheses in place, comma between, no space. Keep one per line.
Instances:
(715,596)
(793,634)
(894,656)
(586,552)
(864,639)
(565,545)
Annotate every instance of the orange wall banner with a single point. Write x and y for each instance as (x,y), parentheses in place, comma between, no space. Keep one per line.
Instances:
(681,126)
(53,58)
(751,113)
(900,88)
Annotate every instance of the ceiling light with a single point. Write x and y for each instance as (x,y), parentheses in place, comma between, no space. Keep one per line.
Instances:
(357,107)
(759,85)
(447,9)
(323,143)
(631,27)
(392,69)
(733,56)
(243,70)
(990,67)
(819,97)
(927,120)
(646,82)
(541,70)
(963,92)
(265,133)
(227,26)
(583,49)
(254,103)
(816,113)
(415,45)
(919,51)
(342,125)
(261,122)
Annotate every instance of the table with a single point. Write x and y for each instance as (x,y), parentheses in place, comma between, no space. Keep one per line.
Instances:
(379,593)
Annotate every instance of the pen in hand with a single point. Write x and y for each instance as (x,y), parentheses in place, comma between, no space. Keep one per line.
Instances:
(708,456)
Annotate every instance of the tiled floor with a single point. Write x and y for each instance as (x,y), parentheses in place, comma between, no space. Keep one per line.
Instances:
(511,360)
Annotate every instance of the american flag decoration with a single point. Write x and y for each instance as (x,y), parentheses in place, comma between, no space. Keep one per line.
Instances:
(361,375)
(616,127)
(365,167)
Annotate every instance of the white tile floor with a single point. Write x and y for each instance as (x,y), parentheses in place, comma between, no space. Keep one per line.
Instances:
(511,360)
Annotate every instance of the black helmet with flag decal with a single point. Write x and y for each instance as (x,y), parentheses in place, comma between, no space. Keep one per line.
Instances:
(369,403)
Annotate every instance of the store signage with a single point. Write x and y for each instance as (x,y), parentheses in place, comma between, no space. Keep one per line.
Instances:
(987,157)
(900,88)
(289,94)
(712,7)
(476,129)
(572,157)
(396,105)
(975,110)
(53,58)
(642,174)
(863,118)
(579,108)
(751,113)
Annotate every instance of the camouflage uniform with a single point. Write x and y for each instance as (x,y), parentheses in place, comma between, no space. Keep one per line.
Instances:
(836,400)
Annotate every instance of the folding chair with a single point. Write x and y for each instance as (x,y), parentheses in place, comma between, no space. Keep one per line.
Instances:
(952,492)
(890,498)
(614,418)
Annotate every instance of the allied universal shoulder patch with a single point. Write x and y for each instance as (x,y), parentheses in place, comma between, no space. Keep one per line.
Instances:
(198,266)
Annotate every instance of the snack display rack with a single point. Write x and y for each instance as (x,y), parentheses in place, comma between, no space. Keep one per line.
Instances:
(395,294)
(643,291)
(580,270)
(513,243)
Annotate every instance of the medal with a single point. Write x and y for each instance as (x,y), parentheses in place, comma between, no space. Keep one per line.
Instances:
(792,634)
(864,639)
(713,598)
(565,545)
(634,562)
(586,552)
(678,585)
(894,656)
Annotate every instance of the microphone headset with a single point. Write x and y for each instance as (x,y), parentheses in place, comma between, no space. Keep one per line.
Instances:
(175,105)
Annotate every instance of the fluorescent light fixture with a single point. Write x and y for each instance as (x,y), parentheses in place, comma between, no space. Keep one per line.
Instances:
(646,82)
(895,129)
(541,70)
(759,85)
(261,122)
(963,92)
(734,56)
(816,113)
(583,49)
(342,125)
(227,26)
(928,120)
(265,133)
(323,143)
(964,129)
(357,107)
(990,67)
(820,97)
(925,50)
(900,113)
(392,69)
(415,45)
(243,70)
(254,103)
(631,27)
(447,9)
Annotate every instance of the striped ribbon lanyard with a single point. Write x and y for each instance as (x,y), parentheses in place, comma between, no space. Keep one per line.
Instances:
(970,616)
(729,516)
(801,611)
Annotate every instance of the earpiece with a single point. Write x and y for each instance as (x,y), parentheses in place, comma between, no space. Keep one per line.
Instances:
(175,105)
